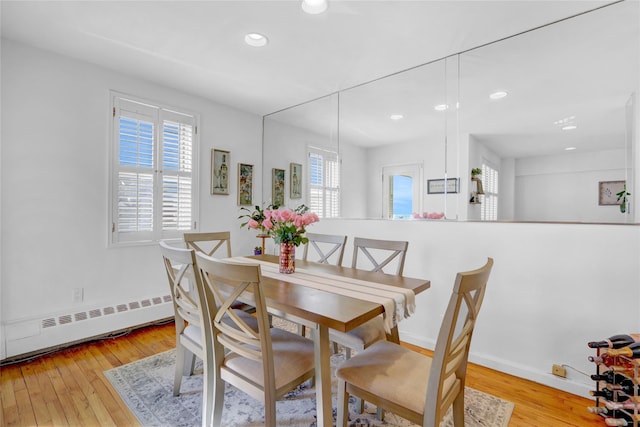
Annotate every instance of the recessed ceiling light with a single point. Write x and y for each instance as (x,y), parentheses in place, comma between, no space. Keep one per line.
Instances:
(569,127)
(256,39)
(314,7)
(570,148)
(396,116)
(498,95)
(441,107)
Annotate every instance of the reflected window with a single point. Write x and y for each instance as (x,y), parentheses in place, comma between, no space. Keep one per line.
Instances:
(401,191)
(401,196)
(324,183)
(489,211)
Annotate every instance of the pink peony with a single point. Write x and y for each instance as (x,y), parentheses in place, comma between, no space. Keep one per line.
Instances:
(253,224)
(267,224)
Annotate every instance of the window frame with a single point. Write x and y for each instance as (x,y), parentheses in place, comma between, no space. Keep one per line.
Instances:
(329,156)
(491,197)
(160,114)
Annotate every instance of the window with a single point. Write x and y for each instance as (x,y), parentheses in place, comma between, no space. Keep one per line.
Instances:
(154,179)
(401,190)
(489,211)
(324,183)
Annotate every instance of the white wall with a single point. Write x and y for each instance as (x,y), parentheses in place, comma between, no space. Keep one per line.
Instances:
(553,288)
(565,187)
(55,127)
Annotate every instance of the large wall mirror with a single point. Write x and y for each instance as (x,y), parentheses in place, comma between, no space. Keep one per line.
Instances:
(553,149)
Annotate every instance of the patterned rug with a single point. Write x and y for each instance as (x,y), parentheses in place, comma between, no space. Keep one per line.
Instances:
(146,387)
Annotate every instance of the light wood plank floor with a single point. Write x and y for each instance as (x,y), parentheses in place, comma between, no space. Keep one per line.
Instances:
(67,388)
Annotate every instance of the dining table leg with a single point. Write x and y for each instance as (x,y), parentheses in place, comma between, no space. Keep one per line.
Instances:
(324,407)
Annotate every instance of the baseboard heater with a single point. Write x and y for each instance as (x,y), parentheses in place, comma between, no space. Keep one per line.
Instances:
(30,337)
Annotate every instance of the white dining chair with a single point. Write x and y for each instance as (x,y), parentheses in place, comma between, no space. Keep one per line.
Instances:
(327,248)
(180,266)
(412,385)
(267,363)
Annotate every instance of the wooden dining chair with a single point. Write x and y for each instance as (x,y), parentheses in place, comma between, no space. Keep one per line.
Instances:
(414,386)
(266,364)
(180,266)
(214,244)
(325,247)
(380,254)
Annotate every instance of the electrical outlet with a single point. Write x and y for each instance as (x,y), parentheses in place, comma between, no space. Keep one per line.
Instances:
(77,295)
(559,371)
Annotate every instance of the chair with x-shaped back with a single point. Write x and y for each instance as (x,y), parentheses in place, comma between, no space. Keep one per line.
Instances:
(416,387)
(265,363)
(328,248)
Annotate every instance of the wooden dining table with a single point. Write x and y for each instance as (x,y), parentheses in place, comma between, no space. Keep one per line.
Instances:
(322,310)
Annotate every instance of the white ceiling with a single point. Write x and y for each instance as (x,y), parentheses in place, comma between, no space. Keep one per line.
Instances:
(198,47)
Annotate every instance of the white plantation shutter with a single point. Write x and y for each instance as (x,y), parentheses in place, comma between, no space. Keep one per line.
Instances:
(324,183)
(154,159)
(489,211)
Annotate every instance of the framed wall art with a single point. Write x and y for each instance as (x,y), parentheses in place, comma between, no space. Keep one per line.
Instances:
(220,161)
(245,184)
(295,181)
(277,186)
(437,186)
(608,192)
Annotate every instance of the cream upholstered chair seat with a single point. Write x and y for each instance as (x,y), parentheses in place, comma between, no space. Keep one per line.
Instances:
(290,357)
(362,336)
(414,386)
(402,382)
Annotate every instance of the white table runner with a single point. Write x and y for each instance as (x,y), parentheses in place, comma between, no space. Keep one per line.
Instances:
(398,302)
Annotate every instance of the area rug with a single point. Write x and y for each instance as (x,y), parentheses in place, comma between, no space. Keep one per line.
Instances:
(146,387)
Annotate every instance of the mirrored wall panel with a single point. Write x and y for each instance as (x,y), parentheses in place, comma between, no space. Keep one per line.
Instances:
(546,116)
(541,126)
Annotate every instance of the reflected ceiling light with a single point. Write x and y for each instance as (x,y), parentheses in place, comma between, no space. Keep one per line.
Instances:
(314,7)
(256,39)
(441,107)
(570,148)
(396,117)
(498,95)
(569,127)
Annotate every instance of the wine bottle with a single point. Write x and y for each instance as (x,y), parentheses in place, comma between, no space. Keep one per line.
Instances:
(615,363)
(630,406)
(627,386)
(632,351)
(615,341)
(610,377)
(619,418)
(608,394)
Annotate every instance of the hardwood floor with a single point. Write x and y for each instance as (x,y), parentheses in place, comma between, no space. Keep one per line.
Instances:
(67,388)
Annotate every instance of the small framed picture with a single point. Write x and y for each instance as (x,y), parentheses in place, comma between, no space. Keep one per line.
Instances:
(220,161)
(277,186)
(608,192)
(245,184)
(295,181)
(437,186)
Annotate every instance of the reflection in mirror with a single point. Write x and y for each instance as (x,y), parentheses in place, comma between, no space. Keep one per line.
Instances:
(396,128)
(566,123)
(567,120)
(302,141)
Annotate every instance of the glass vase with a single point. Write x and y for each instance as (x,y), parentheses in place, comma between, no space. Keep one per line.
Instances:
(287,258)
